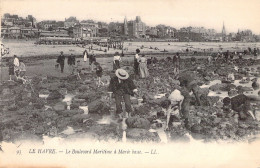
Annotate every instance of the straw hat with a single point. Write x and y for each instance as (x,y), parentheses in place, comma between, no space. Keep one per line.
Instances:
(122,74)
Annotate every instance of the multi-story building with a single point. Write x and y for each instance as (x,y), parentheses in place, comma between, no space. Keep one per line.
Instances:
(15,32)
(83,30)
(136,28)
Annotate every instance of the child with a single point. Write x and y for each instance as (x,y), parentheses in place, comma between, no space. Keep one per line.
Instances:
(11,69)
(22,69)
(78,68)
(99,72)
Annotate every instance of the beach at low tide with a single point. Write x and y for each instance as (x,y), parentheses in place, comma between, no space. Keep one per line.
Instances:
(23,48)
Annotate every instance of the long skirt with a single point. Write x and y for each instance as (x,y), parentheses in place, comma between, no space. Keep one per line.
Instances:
(116,65)
(143,70)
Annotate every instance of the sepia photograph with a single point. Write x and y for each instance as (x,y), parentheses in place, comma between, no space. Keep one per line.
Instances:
(130,83)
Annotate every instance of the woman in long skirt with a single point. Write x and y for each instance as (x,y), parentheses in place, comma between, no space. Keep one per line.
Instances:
(143,67)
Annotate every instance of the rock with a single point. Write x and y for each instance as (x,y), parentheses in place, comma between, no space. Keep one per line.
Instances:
(212,100)
(69,113)
(105,132)
(78,101)
(142,135)
(141,111)
(39,130)
(79,118)
(255,85)
(238,76)
(54,95)
(222,87)
(136,122)
(63,122)
(74,105)
(98,106)
(61,106)
(242,89)
(89,97)
(232,93)
(196,128)
(13,107)
(83,88)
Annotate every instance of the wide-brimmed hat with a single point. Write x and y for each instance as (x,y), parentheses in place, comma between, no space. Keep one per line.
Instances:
(122,74)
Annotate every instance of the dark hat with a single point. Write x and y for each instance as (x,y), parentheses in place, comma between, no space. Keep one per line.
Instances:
(137,50)
(116,53)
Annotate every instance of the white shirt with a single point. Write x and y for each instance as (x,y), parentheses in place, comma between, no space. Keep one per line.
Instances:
(16,62)
(176,96)
(117,58)
(136,56)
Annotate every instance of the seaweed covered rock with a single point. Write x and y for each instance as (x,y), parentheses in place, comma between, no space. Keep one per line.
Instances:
(99,107)
(136,122)
(142,135)
(54,95)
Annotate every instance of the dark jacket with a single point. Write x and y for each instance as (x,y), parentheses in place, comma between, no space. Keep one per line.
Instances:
(125,87)
(61,59)
(71,60)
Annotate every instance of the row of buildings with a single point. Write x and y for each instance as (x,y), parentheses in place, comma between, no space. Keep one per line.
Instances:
(13,26)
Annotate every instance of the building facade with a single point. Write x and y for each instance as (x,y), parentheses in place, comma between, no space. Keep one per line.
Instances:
(83,30)
(136,28)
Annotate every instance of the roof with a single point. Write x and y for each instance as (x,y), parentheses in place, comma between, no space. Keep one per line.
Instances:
(14,28)
(54,34)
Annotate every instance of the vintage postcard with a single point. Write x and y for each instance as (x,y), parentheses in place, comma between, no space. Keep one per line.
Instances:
(130,83)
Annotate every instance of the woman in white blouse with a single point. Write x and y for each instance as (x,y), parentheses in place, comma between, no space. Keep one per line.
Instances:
(116,61)
(143,67)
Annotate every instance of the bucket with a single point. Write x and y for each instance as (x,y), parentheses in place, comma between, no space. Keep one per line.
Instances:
(84,108)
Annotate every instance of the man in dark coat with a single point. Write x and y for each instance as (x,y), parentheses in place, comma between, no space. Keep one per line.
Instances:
(61,60)
(122,87)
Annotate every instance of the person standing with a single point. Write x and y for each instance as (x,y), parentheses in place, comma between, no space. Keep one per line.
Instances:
(136,63)
(16,65)
(11,69)
(209,59)
(174,61)
(143,67)
(99,72)
(91,60)
(61,60)
(71,63)
(116,61)
(122,87)
(85,55)
(22,68)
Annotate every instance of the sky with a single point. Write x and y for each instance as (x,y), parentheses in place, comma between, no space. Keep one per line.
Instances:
(236,14)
